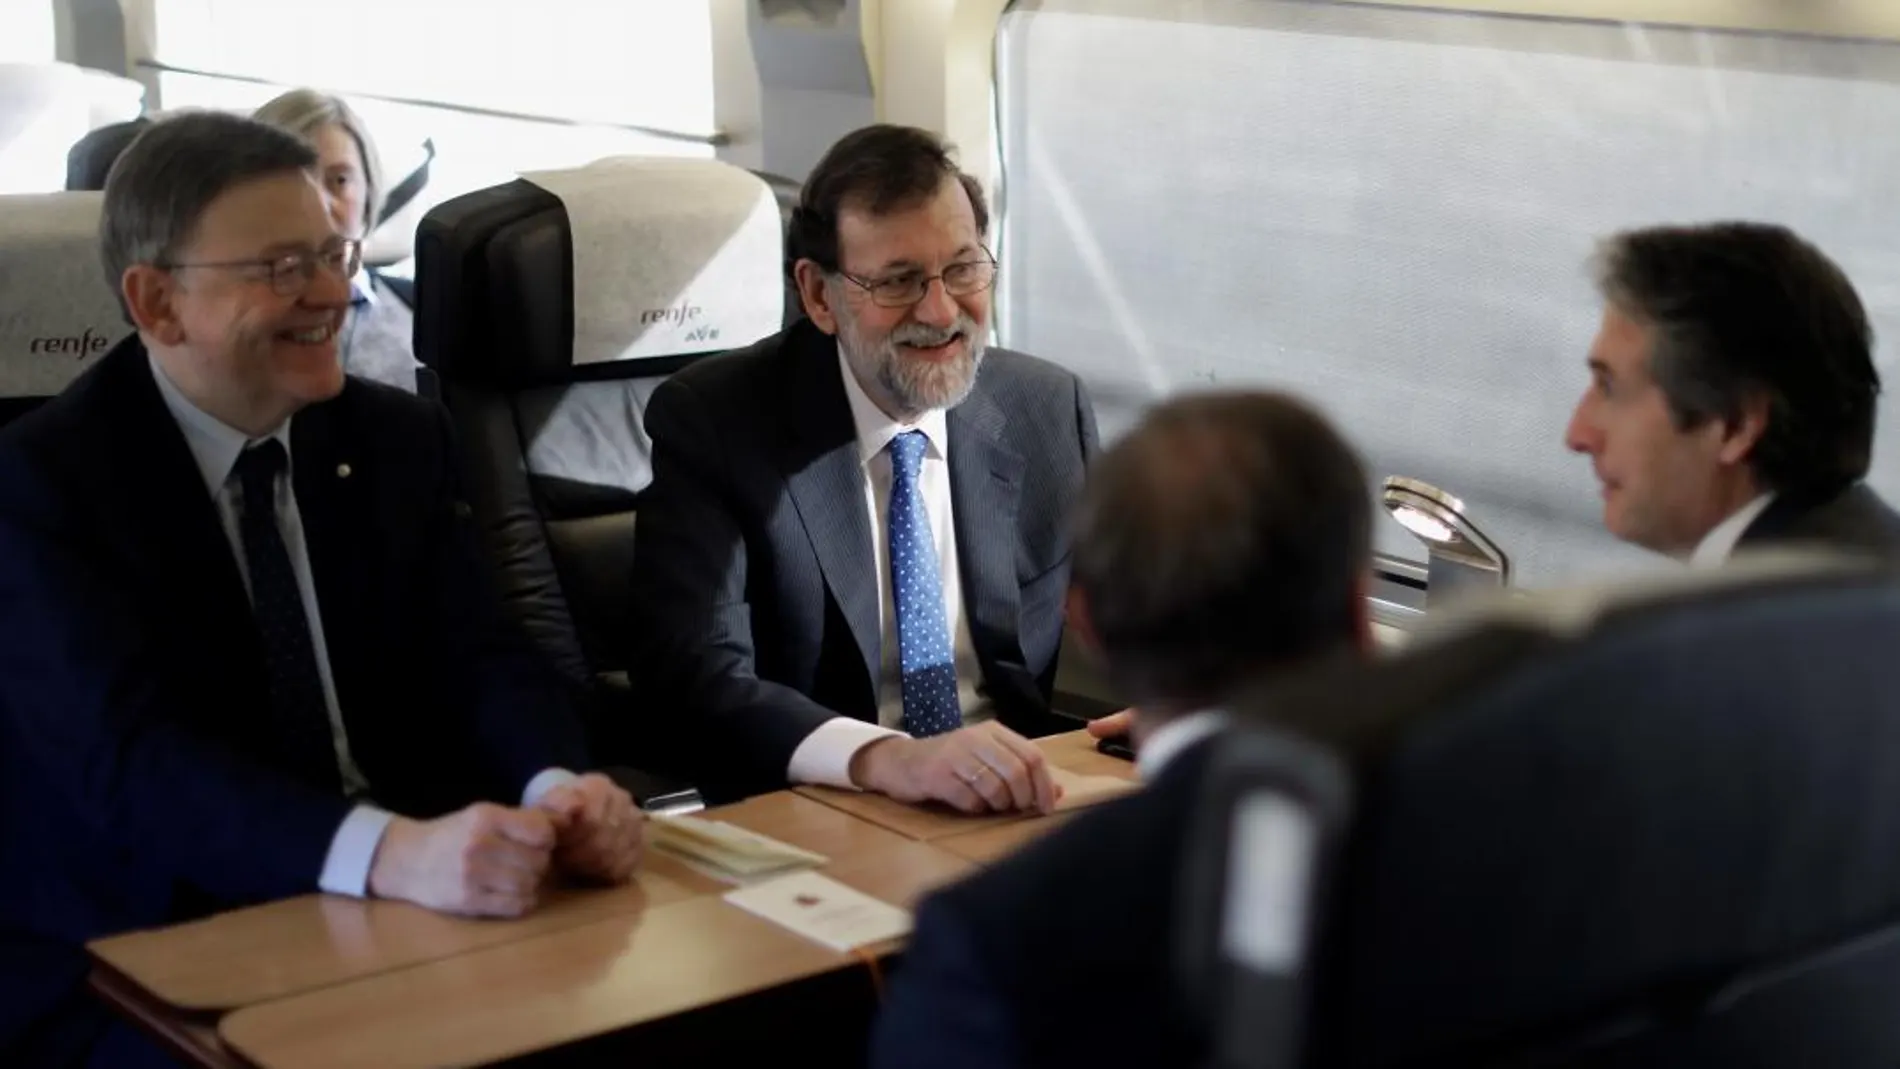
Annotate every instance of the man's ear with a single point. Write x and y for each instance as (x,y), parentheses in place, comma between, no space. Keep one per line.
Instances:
(149,298)
(815,295)
(1076,618)
(1742,434)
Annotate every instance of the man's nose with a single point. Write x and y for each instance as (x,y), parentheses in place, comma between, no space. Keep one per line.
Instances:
(938,308)
(328,288)
(1581,436)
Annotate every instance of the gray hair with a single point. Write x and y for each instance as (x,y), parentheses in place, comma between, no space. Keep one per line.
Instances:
(159,187)
(305,111)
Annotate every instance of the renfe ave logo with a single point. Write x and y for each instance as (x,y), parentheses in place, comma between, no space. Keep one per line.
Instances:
(681,315)
(81,346)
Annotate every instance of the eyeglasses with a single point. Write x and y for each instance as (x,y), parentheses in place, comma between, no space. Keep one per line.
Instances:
(903,290)
(291,273)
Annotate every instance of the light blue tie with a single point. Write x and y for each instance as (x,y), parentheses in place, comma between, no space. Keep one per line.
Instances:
(924,652)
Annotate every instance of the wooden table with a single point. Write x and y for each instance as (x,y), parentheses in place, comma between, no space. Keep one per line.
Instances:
(176,982)
(301,944)
(333,981)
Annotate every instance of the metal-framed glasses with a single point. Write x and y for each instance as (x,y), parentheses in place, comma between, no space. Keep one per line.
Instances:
(290,273)
(902,290)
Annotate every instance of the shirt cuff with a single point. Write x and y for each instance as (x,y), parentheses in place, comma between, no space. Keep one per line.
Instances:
(346,867)
(543,782)
(825,755)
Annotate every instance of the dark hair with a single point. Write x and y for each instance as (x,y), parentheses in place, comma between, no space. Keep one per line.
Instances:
(1744,309)
(160,186)
(1223,537)
(880,168)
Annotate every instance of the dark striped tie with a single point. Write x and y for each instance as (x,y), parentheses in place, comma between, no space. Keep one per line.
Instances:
(298,709)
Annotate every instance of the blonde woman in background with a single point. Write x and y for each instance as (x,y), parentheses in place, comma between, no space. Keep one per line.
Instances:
(377,337)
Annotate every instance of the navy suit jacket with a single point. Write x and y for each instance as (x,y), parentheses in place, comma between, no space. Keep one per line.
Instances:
(1855,520)
(753,567)
(136,782)
(1059,955)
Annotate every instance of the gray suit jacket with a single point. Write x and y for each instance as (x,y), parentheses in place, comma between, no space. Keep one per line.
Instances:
(1855,520)
(753,573)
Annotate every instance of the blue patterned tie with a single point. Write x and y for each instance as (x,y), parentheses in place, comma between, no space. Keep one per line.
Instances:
(924,652)
(297,705)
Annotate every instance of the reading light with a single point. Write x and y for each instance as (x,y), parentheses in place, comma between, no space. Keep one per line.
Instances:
(1458,555)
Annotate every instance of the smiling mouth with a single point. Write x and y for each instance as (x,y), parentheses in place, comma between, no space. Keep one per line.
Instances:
(941,349)
(316,335)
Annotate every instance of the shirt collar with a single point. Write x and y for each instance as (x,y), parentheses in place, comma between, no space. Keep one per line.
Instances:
(215,444)
(1168,741)
(876,429)
(1719,543)
(363,289)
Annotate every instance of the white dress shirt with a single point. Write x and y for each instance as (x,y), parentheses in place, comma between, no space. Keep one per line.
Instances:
(216,445)
(1167,742)
(825,755)
(1716,546)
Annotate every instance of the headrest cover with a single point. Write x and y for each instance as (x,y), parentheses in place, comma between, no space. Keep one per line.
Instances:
(671,257)
(57,315)
(1572,611)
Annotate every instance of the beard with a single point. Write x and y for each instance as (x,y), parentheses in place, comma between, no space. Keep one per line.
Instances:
(916,385)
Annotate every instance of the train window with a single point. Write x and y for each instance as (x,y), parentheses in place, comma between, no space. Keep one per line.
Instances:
(26,31)
(498,86)
(639,64)
(1389,210)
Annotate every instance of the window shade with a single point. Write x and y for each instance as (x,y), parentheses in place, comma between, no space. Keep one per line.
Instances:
(613,61)
(1389,211)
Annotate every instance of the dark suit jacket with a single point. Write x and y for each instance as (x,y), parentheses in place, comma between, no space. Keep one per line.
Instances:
(753,566)
(1855,520)
(1058,956)
(136,785)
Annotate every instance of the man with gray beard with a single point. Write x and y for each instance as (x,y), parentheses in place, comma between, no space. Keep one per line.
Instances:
(851,564)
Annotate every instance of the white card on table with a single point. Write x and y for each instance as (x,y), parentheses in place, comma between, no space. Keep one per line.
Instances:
(823,910)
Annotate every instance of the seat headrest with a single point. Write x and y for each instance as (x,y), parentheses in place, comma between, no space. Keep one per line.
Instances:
(1680,783)
(1455,654)
(1574,610)
(59,315)
(90,160)
(620,269)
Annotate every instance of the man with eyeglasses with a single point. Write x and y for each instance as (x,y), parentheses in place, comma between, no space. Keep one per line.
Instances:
(850,566)
(248,649)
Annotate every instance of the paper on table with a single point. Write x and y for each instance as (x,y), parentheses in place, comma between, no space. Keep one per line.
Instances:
(1079,790)
(823,910)
(731,851)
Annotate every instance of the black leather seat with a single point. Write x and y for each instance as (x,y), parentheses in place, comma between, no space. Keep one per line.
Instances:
(90,159)
(557,450)
(785,192)
(58,314)
(1662,833)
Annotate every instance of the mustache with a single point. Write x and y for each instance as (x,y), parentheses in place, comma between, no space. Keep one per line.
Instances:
(926,336)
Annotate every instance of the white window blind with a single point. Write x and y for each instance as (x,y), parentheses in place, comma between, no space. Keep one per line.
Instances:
(477,79)
(1388,211)
(645,63)
(26,31)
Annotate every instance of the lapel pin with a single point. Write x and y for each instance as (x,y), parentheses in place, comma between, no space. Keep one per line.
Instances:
(342,471)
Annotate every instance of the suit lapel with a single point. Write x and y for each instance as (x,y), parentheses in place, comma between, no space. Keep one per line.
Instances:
(182,535)
(826,482)
(986,478)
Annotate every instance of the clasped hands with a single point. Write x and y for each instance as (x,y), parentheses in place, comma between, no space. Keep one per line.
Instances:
(493,861)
